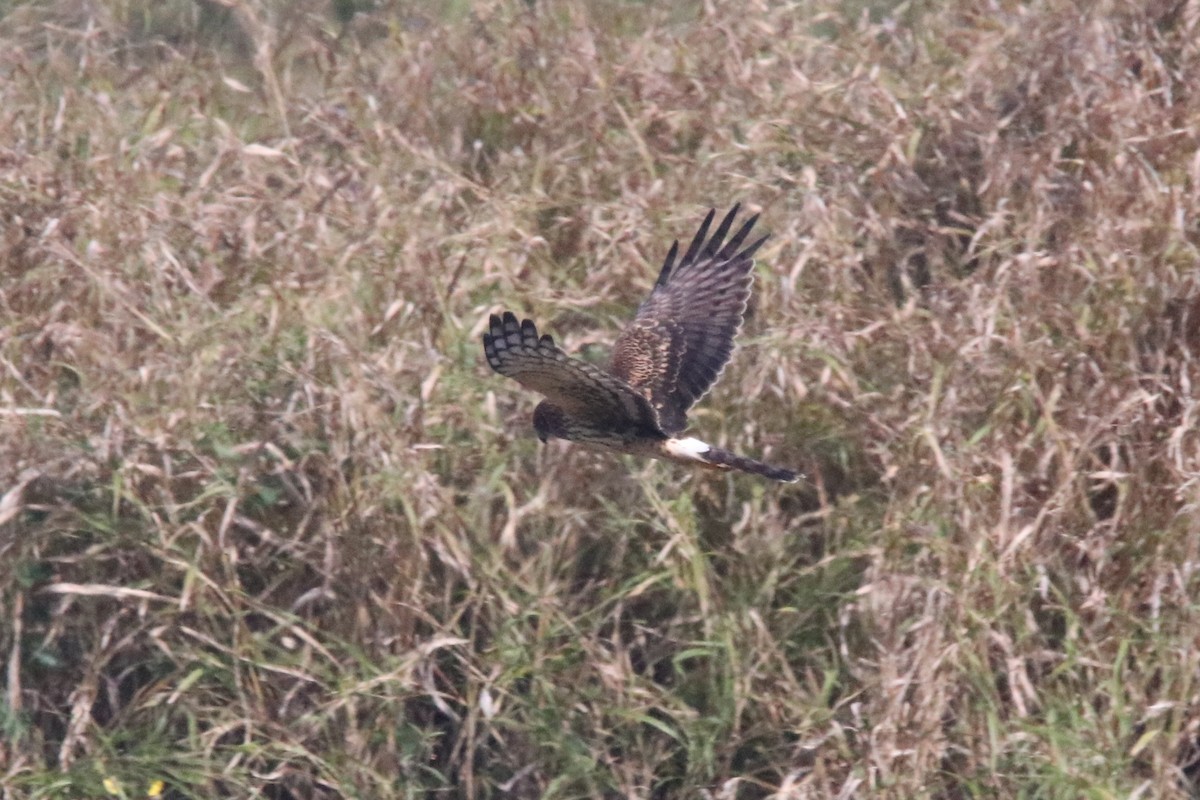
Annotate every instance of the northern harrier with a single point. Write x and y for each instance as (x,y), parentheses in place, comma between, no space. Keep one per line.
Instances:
(664,362)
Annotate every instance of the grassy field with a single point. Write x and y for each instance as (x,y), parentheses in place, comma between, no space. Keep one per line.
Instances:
(270,527)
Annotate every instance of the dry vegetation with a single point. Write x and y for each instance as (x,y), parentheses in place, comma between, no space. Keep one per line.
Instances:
(270,528)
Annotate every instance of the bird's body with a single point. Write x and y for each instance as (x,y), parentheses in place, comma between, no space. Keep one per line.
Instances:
(663,362)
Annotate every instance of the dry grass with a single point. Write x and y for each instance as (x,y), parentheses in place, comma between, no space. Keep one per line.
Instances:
(270,527)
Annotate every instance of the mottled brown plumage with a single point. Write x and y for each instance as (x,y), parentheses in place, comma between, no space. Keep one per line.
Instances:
(666,360)
(682,337)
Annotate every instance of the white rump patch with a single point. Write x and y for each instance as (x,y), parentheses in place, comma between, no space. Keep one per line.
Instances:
(690,448)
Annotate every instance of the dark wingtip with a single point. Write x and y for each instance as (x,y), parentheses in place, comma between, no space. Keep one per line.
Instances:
(490,338)
(664,274)
(714,244)
(494,331)
(730,250)
(753,248)
(698,240)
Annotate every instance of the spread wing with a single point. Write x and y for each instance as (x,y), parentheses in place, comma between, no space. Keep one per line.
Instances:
(682,337)
(515,350)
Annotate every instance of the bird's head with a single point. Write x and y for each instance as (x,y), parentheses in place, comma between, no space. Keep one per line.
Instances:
(550,422)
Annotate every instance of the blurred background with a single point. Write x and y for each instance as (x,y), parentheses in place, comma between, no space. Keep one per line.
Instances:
(270,527)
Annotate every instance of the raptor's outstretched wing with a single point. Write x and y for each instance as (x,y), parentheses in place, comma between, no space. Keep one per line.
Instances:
(515,350)
(682,337)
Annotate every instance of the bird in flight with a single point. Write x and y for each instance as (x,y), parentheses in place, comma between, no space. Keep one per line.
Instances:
(662,363)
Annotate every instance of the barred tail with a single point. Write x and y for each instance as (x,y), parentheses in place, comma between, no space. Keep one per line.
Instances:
(724,458)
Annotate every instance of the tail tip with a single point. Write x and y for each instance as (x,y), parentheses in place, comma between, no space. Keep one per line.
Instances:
(781,474)
(726,460)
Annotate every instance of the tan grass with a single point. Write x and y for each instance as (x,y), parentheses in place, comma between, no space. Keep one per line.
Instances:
(270,527)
